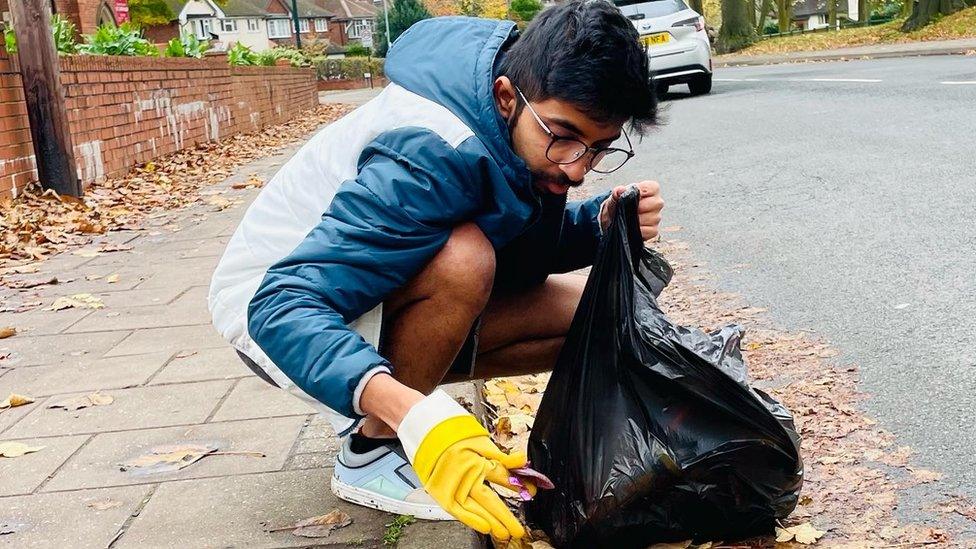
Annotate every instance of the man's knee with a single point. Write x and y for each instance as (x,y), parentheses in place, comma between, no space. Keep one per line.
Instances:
(465,266)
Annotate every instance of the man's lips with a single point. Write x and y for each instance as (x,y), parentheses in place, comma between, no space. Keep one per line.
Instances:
(555,187)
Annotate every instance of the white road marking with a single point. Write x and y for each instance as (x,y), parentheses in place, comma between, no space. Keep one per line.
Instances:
(959,83)
(864,80)
(737,79)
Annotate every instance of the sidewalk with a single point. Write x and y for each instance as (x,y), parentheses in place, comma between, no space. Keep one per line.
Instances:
(174,382)
(942,47)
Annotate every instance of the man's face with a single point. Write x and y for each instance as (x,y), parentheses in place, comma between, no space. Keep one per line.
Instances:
(530,140)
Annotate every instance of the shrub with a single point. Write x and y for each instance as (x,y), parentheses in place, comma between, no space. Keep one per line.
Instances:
(126,39)
(187,45)
(350,67)
(63,31)
(357,50)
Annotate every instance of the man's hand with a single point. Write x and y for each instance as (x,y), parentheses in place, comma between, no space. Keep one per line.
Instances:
(649,208)
(453,457)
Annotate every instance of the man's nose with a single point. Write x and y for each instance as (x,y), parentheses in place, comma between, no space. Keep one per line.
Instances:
(577,170)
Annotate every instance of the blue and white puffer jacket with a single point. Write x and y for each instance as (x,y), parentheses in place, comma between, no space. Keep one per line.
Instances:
(367,202)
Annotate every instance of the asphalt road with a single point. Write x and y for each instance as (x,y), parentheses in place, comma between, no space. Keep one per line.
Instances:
(841,196)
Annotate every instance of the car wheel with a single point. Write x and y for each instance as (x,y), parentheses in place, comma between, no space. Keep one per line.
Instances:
(661,89)
(701,85)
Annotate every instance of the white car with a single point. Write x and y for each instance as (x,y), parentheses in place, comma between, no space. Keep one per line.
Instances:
(676,42)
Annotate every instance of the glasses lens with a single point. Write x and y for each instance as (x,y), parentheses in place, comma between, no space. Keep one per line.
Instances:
(609,160)
(565,151)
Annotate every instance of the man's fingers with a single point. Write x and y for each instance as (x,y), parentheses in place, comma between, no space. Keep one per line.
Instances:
(648,233)
(650,219)
(650,204)
(499,512)
(618,192)
(649,188)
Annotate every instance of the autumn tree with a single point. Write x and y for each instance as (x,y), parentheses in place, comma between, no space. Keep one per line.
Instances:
(403,14)
(147,13)
(924,11)
(525,10)
(737,31)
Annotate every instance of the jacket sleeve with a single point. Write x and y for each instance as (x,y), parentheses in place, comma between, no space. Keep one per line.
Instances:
(381,228)
(580,236)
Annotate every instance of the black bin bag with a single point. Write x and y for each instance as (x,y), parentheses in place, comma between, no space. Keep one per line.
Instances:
(649,430)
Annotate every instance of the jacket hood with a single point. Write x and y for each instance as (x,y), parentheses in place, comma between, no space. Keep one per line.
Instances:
(452,61)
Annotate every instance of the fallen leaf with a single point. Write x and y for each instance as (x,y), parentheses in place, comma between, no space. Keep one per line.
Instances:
(924,475)
(77,301)
(318,527)
(84,401)
(804,534)
(15,400)
(162,459)
(7,331)
(674,545)
(92,277)
(17,449)
(112,279)
(87,252)
(26,284)
(103,504)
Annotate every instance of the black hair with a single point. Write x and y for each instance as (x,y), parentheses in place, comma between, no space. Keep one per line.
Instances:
(587,53)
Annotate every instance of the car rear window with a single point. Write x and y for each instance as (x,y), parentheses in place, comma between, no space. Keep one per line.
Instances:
(654,8)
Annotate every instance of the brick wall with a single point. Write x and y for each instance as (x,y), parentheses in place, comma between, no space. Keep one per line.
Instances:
(124,111)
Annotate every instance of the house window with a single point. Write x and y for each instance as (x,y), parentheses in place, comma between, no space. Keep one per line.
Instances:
(358,28)
(252,24)
(303,25)
(321,25)
(228,25)
(203,28)
(279,28)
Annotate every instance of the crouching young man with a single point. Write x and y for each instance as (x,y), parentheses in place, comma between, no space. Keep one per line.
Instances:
(419,240)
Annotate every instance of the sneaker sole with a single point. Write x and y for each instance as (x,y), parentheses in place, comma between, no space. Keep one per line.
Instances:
(380,502)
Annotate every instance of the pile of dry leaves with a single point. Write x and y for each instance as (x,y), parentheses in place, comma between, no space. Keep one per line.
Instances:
(38,224)
(854,471)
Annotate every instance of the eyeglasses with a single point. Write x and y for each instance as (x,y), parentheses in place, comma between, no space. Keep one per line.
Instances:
(567,150)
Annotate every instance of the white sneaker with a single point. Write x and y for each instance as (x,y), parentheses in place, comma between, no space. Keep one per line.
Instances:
(383,479)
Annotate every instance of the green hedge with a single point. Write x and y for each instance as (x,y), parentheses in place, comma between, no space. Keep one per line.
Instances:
(349,67)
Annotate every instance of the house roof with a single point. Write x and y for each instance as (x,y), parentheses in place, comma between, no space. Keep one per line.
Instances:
(351,9)
(257,8)
(242,8)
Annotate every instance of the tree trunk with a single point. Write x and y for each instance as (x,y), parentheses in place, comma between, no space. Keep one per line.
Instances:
(863,11)
(736,32)
(906,8)
(752,12)
(925,10)
(763,13)
(784,13)
(698,6)
(832,13)
(40,72)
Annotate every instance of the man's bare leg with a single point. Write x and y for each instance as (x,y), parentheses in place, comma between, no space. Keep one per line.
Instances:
(426,322)
(523,332)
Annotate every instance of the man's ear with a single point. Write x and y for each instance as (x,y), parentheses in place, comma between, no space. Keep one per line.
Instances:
(505,97)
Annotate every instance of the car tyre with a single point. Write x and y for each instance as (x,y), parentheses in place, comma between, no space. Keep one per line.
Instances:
(701,85)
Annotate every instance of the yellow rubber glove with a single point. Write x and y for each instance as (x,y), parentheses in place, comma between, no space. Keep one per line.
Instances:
(453,457)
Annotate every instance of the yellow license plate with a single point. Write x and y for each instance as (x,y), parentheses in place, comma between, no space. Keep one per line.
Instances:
(656,39)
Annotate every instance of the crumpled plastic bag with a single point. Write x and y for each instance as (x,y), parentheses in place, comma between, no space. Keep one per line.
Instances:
(650,431)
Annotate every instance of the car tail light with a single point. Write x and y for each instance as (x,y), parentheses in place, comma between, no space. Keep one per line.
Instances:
(697,22)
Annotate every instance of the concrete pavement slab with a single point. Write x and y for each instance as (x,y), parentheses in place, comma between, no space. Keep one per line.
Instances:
(11,416)
(59,349)
(235,511)
(168,339)
(24,474)
(138,298)
(137,318)
(98,463)
(67,520)
(138,408)
(220,363)
(254,398)
(43,322)
(91,375)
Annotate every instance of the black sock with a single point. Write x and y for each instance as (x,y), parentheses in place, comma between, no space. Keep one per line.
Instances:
(361,444)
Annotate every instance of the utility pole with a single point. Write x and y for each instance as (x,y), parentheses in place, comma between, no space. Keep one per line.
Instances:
(41,76)
(294,19)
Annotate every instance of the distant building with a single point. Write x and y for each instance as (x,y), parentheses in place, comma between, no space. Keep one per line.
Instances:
(813,14)
(355,20)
